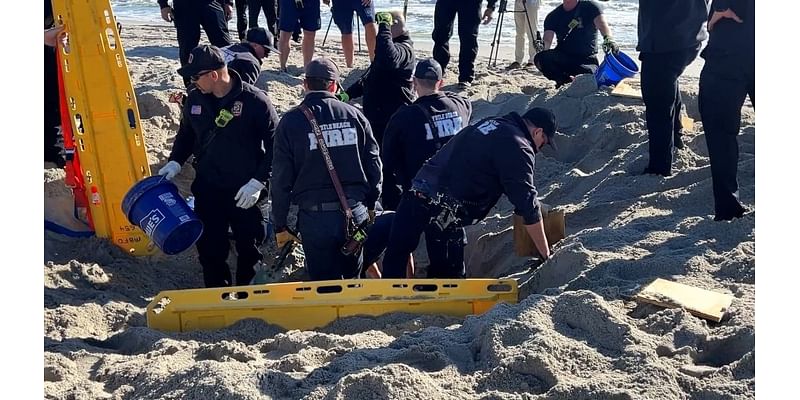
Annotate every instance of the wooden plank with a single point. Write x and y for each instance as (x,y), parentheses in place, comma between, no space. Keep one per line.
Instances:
(554,230)
(700,302)
(625,90)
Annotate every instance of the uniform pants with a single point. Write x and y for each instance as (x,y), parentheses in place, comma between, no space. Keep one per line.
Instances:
(241,17)
(559,66)
(724,83)
(270,13)
(662,99)
(390,191)
(469,18)
(217,210)
(188,20)
(445,248)
(526,27)
(323,234)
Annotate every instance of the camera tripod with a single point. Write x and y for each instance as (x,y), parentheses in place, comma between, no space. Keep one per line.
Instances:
(498,31)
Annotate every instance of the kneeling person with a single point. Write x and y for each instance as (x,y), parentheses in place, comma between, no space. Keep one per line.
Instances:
(461,183)
(301,174)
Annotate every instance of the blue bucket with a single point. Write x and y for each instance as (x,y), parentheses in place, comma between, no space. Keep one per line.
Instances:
(154,205)
(614,68)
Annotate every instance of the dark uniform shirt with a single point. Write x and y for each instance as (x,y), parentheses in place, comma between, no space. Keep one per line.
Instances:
(731,38)
(387,84)
(227,157)
(666,26)
(485,160)
(241,58)
(418,130)
(580,40)
(165,3)
(300,174)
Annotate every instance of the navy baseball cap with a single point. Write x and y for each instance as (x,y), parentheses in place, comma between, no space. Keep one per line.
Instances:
(545,119)
(322,68)
(202,58)
(259,35)
(428,69)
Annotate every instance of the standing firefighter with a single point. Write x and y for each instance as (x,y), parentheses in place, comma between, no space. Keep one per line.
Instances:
(386,85)
(228,126)
(342,135)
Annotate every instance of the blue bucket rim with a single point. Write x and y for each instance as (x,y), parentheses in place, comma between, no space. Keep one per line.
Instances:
(139,189)
(624,61)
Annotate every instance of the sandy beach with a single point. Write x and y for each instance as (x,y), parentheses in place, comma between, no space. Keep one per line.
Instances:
(575,333)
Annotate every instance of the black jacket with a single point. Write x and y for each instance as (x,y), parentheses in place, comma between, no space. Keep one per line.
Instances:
(485,160)
(387,84)
(227,157)
(241,58)
(672,25)
(730,38)
(300,174)
(413,135)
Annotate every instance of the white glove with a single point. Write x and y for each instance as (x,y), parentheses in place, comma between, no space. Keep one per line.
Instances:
(170,170)
(248,194)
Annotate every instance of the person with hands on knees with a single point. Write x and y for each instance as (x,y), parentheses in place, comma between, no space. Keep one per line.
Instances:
(331,202)
(228,126)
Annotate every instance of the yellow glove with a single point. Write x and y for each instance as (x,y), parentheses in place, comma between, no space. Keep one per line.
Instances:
(284,237)
(384,17)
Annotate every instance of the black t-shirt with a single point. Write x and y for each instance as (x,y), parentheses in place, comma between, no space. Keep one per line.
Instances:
(580,41)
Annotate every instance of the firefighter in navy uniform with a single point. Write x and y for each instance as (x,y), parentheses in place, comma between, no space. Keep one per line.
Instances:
(228,125)
(461,183)
(190,15)
(469,20)
(387,84)
(415,133)
(246,57)
(670,36)
(300,174)
(728,76)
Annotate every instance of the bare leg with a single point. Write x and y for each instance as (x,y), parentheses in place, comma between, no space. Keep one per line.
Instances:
(347,47)
(283,46)
(308,45)
(370,33)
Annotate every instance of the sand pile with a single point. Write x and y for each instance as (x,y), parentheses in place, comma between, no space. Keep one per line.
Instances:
(574,335)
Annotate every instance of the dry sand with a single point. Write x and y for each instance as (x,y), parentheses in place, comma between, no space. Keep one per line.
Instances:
(574,334)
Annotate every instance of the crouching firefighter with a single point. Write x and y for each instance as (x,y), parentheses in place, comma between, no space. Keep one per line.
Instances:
(460,184)
(228,125)
(326,161)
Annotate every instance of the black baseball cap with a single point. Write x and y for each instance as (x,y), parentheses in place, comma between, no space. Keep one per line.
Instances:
(259,35)
(322,68)
(545,119)
(202,58)
(428,69)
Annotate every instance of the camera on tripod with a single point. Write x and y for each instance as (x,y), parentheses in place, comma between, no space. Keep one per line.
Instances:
(498,31)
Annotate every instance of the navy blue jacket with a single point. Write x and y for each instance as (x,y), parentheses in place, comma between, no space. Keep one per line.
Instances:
(227,157)
(492,157)
(241,58)
(387,83)
(411,138)
(666,26)
(300,175)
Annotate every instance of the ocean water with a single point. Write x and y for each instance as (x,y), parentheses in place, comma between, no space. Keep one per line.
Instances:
(620,15)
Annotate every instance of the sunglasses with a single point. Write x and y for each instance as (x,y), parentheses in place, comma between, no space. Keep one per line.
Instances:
(197,77)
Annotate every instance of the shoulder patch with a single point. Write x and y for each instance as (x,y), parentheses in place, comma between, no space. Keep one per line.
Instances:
(237,108)
(196,109)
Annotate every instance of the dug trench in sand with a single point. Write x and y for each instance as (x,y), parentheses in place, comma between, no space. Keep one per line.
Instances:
(573,335)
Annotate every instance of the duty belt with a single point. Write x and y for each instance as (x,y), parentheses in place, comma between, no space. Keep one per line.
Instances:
(332,206)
